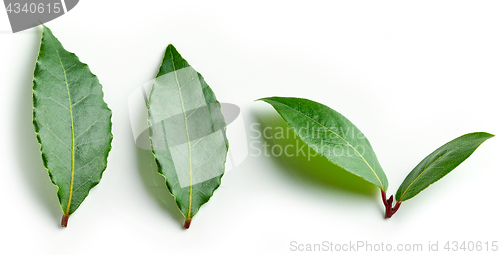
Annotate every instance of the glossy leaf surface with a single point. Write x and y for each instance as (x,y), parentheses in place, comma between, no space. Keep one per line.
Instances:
(72,122)
(439,163)
(332,136)
(187,133)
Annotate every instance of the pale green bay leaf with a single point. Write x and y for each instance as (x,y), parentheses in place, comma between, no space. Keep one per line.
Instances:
(331,135)
(439,163)
(187,133)
(72,122)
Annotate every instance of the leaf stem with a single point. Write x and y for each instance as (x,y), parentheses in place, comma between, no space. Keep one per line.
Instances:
(64,221)
(396,207)
(187,223)
(389,210)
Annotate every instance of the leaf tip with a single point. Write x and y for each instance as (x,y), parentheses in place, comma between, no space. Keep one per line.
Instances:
(171,47)
(264,99)
(187,223)
(43,25)
(64,221)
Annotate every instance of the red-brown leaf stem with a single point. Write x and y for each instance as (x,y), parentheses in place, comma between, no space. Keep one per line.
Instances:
(187,223)
(64,221)
(389,210)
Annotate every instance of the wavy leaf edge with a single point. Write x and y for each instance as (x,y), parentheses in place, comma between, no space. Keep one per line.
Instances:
(66,211)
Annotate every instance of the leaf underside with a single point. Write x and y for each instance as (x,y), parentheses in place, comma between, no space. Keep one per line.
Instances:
(439,163)
(331,135)
(72,122)
(187,133)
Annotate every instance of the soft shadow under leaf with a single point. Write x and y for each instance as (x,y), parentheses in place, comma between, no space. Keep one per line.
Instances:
(155,183)
(332,135)
(304,163)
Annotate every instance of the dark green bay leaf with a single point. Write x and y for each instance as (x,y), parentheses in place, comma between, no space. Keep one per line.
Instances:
(439,163)
(331,135)
(187,133)
(72,122)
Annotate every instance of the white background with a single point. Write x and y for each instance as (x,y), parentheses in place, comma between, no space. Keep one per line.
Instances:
(411,76)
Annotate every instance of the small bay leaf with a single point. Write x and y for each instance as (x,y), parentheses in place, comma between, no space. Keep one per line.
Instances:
(439,163)
(331,135)
(72,122)
(187,133)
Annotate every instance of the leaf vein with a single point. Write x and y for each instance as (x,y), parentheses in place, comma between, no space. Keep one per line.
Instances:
(449,151)
(357,152)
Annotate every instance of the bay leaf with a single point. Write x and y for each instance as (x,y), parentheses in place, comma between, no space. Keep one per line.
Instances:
(439,163)
(187,133)
(331,135)
(72,122)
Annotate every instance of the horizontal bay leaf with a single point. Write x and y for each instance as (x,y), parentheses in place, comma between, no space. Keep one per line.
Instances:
(439,163)
(331,135)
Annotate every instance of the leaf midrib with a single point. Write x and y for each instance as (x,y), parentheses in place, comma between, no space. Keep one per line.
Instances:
(373,171)
(70,196)
(188,216)
(427,168)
